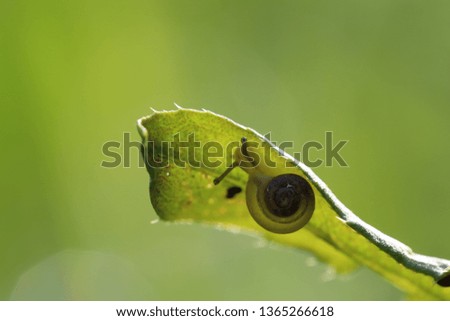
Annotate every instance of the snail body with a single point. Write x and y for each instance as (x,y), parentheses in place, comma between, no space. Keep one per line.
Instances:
(280,204)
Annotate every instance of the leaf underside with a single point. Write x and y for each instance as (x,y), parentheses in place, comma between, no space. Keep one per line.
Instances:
(334,234)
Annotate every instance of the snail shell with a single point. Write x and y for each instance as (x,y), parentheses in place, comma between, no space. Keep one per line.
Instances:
(281,204)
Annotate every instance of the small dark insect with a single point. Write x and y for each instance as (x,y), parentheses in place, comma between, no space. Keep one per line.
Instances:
(232,191)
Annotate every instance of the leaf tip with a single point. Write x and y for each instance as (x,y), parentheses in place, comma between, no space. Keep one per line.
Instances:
(141,127)
(444,281)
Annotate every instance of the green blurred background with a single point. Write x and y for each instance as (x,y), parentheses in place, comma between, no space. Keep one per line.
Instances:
(75,74)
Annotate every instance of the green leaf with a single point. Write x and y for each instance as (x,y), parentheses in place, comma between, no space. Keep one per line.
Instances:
(334,234)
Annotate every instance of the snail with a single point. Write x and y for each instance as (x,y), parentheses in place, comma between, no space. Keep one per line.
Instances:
(281,204)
